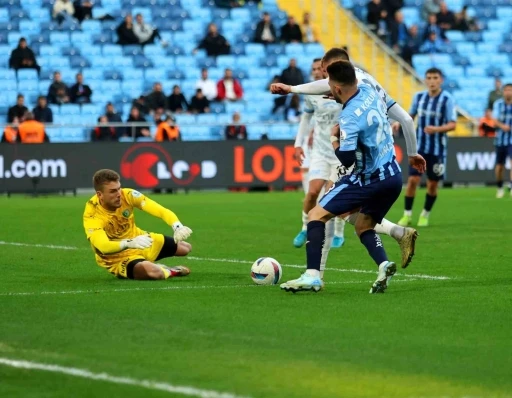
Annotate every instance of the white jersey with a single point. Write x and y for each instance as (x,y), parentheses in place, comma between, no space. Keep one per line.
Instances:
(326,113)
(365,78)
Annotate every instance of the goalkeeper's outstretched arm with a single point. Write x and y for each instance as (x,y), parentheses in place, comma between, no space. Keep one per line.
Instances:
(103,244)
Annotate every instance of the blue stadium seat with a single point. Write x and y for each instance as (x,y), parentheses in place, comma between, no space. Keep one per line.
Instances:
(70,51)
(70,109)
(132,85)
(27,74)
(255,132)
(91,109)
(112,50)
(112,74)
(217,107)
(232,107)
(207,118)
(7,74)
(92,74)
(294,50)
(455,36)
(183,119)
(44,85)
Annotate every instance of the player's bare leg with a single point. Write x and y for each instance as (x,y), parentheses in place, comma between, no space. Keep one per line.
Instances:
(405,236)
(430,199)
(313,192)
(410,193)
(498,172)
(365,229)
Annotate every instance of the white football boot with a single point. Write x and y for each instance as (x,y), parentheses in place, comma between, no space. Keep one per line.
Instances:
(386,271)
(305,282)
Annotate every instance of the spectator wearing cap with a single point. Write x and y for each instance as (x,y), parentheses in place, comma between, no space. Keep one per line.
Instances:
(22,57)
(17,110)
(42,113)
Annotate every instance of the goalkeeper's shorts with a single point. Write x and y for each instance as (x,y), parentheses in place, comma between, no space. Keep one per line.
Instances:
(122,264)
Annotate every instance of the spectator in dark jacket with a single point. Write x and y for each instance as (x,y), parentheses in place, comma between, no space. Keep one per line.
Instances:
(399,32)
(292,75)
(83,10)
(58,91)
(140,131)
(375,8)
(141,105)
(445,18)
(177,101)
(156,99)
(214,43)
(102,132)
(265,30)
(290,31)
(41,112)
(125,34)
(412,45)
(114,117)
(236,131)
(199,103)
(22,57)
(433,27)
(80,93)
(17,110)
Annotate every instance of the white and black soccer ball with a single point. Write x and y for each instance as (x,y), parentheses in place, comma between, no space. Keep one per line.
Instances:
(266,271)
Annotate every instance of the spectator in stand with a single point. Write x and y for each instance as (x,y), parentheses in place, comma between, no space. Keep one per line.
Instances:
(236,131)
(199,103)
(290,31)
(207,85)
(265,30)
(464,22)
(146,33)
(292,75)
(392,6)
(41,112)
(10,135)
(141,104)
(22,57)
(487,125)
(137,131)
(433,45)
(430,7)
(30,131)
(156,99)
(80,93)
(433,27)
(103,132)
(495,94)
(279,100)
(445,18)
(214,43)
(412,45)
(292,112)
(125,34)
(113,117)
(63,10)
(18,110)
(309,31)
(375,14)
(58,91)
(166,129)
(399,32)
(177,102)
(229,88)
(83,10)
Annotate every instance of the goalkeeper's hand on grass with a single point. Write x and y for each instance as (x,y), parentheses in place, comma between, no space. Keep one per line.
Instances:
(139,242)
(181,232)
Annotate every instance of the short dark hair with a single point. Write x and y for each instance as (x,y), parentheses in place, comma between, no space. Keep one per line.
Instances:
(434,71)
(342,72)
(20,96)
(335,53)
(507,85)
(317,60)
(104,176)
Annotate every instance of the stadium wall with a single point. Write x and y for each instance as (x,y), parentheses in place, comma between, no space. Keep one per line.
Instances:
(197,165)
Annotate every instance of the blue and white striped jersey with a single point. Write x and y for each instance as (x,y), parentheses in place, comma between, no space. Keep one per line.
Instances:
(502,112)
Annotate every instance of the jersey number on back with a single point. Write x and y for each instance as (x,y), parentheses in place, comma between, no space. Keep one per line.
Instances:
(382,130)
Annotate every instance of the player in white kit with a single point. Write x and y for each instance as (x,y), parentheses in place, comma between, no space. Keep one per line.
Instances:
(323,162)
(406,237)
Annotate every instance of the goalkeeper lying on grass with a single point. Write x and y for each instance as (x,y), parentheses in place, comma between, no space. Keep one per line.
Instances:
(120,247)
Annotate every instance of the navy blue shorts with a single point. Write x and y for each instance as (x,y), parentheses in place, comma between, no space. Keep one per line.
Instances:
(502,152)
(374,199)
(435,167)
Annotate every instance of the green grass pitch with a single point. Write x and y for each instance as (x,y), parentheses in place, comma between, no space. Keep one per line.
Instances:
(215,330)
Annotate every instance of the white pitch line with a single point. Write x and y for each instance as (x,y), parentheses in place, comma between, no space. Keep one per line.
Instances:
(149,384)
(230,260)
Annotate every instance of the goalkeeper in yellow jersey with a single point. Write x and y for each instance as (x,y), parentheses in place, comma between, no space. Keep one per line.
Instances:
(120,246)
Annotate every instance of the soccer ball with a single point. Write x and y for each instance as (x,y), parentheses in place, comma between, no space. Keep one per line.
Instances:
(266,271)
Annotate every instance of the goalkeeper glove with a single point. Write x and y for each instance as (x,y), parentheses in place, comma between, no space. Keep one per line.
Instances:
(139,242)
(180,232)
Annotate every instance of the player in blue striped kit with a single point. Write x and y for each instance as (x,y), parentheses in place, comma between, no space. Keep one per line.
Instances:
(435,109)
(502,113)
(364,145)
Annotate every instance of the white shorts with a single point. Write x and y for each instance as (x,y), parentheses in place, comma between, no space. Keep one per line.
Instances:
(306,161)
(321,169)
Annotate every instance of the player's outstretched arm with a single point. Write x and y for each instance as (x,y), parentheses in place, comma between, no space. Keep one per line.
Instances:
(102,243)
(181,232)
(317,87)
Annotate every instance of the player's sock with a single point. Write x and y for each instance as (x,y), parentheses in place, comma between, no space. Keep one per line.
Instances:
(305,181)
(329,231)
(391,229)
(499,184)
(167,272)
(373,244)
(304,221)
(409,200)
(339,226)
(314,245)
(429,203)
